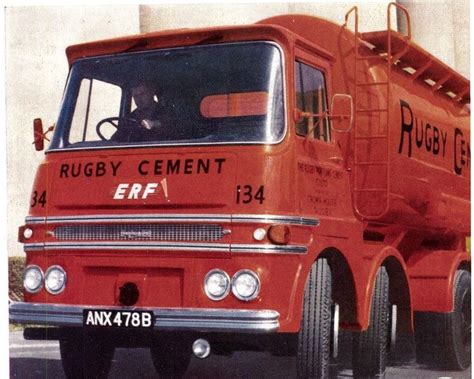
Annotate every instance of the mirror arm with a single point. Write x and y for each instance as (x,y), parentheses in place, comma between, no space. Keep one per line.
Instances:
(320,116)
(339,116)
(298,114)
(43,135)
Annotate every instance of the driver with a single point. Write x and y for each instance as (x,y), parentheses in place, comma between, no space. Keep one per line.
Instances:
(145,123)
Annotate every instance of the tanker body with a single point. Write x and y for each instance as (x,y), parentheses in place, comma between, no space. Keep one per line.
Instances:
(410,149)
(308,179)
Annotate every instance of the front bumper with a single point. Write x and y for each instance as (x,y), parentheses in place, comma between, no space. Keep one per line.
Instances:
(171,319)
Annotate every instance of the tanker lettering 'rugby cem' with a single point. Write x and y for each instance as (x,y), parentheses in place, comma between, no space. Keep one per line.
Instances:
(295,178)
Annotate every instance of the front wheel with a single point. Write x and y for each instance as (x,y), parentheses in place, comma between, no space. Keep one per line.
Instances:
(369,348)
(85,355)
(314,337)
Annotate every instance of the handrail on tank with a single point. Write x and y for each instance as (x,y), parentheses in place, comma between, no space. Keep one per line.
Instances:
(404,11)
(356,20)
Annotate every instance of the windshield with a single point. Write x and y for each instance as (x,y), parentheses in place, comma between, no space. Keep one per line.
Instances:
(228,93)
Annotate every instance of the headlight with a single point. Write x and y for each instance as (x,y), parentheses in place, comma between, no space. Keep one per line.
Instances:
(33,279)
(55,280)
(245,285)
(217,284)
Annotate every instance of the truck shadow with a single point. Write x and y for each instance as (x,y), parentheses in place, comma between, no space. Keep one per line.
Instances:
(137,363)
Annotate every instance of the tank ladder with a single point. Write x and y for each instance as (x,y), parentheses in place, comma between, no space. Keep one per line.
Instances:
(371,137)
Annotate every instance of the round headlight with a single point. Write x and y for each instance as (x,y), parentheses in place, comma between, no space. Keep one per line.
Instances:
(245,285)
(55,280)
(217,284)
(33,279)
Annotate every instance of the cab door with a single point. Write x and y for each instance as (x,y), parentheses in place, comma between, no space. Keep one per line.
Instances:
(324,189)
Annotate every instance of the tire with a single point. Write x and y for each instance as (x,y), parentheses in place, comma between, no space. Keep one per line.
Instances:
(85,356)
(444,339)
(171,356)
(369,348)
(315,331)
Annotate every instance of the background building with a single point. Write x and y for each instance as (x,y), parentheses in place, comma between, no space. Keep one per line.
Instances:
(36,66)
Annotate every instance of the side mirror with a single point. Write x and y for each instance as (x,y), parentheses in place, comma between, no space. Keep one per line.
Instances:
(38,134)
(342,112)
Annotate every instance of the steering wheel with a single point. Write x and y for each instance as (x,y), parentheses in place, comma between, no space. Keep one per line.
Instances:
(115,122)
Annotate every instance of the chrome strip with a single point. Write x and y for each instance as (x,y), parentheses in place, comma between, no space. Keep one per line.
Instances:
(33,246)
(269,249)
(167,246)
(35,220)
(142,245)
(272,219)
(225,218)
(207,319)
(141,218)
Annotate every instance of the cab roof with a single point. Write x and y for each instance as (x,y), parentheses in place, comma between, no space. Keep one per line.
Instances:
(189,37)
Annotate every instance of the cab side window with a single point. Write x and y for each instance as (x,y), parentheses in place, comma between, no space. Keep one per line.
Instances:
(311,97)
(96,101)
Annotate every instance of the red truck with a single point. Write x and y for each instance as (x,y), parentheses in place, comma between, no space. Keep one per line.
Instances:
(293,178)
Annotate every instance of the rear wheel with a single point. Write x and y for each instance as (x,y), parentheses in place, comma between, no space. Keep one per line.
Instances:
(171,356)
(315,331)
(369,348)
(85,355)
(444,339)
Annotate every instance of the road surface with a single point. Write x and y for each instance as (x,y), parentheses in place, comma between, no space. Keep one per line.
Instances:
(41,359)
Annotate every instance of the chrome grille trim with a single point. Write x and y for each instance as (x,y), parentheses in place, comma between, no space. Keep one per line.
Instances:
(222,218)
(175,246)
(144,245)
(127,232)
(35,220)
(139,218)
(33,246)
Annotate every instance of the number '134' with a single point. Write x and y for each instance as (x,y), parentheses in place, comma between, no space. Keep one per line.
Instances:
(246,194)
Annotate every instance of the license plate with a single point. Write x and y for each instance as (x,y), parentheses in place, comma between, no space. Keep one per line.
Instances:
(117,318)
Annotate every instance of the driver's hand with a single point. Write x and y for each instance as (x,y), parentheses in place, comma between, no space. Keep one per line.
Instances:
(150,124)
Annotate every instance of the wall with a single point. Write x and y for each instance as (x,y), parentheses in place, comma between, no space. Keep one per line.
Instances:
(36,72)
(442,28)
(155,17)
(36,67)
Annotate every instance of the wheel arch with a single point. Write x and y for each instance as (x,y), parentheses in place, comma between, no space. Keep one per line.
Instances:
(343,286)
(465,265)
(400,292)
(436,270)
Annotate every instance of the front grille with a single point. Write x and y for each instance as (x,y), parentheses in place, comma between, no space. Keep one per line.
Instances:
(126,232)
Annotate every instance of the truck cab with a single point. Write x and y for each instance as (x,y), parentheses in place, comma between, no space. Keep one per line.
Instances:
(199,191)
